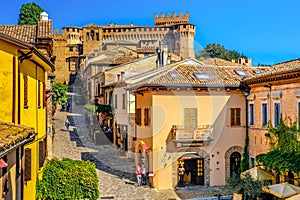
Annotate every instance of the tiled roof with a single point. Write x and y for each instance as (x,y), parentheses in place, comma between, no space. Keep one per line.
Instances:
(11,134)
(26,33)
(277,69)
(218,76)
(219,62)
(45,29)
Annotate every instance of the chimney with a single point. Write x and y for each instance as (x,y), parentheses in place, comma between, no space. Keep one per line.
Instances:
(163,54)
(44,16)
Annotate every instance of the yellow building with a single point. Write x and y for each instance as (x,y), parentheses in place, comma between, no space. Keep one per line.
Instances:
(23,72)
(193,114)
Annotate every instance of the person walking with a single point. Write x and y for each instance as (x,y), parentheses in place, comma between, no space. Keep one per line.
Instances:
(143,175)
(138,173)
(67,124)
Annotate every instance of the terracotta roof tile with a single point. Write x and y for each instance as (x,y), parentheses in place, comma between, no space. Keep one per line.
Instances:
(45,29)
(26,33)
(218,76)
(10,134)
(280,68)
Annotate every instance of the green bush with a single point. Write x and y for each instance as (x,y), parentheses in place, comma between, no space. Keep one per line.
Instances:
(60,93)
(68,179)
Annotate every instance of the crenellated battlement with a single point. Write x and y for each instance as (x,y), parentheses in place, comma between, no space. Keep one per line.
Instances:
(170,20)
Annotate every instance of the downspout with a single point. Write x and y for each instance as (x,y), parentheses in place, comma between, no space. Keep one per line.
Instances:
(245,157)
(13,120)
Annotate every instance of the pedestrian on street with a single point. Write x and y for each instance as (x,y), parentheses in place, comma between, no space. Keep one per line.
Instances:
(68,106)
(138,173)
(143,175)
(67,124)
(181,171)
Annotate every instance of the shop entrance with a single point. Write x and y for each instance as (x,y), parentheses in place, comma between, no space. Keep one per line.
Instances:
(194,169)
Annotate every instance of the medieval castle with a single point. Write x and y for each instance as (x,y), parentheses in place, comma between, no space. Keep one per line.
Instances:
(75,43)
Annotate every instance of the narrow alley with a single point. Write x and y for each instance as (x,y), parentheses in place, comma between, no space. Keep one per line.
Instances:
(116,173)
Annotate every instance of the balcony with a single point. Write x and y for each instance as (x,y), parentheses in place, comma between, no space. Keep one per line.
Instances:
(184,137)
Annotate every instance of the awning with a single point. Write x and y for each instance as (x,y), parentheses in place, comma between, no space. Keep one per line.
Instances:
(2,163)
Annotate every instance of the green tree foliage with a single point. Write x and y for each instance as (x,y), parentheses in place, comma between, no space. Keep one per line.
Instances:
(249,187)
(30,14)
(245,158)
(218,51)
(285,148)
(68,179)
(60,93)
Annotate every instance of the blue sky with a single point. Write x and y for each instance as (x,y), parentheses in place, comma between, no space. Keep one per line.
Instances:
(265,30)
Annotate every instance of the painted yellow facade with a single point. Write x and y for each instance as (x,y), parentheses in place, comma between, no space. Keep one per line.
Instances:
(23,72)
(167,110)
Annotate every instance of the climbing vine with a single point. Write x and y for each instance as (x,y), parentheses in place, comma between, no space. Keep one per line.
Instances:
(68,179)
(285,148)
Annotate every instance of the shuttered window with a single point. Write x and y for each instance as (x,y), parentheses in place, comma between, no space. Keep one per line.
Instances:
(190,118)
(146,116)
(41,154)
(138,117)
(27,175)
(44,96)
(25,91)
(39,93)
(235,116)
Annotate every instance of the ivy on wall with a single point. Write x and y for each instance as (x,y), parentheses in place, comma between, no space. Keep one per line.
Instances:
(285,148)
(68,179)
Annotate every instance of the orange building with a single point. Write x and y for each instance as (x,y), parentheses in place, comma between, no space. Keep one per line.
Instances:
(273,93)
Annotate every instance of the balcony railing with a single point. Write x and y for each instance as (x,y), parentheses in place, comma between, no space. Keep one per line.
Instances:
(198,136)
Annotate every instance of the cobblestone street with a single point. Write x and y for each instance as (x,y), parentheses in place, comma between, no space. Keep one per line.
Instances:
(116,173)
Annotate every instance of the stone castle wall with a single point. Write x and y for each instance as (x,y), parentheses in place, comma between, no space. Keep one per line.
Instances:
(174,32)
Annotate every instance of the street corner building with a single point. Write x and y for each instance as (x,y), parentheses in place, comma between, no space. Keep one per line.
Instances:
(190,113)
(23,127)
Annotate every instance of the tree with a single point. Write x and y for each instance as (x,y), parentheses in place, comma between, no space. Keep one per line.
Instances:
(68,179)
(284,156)
(30,14)
(218,51)
(60,93)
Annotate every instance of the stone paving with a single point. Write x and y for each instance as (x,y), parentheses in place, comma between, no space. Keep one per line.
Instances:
(116,173)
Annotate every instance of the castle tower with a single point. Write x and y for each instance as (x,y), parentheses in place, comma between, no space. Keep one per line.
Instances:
(168,20)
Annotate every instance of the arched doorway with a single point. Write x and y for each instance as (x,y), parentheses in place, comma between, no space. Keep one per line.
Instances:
(194,169)
(232,160)
(235,162)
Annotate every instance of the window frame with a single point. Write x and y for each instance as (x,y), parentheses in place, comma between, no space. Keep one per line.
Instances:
(264,116)
(147,116)
(276,113)
(235,117)
(251,114)
(25,91)
(190,121)
(138,116)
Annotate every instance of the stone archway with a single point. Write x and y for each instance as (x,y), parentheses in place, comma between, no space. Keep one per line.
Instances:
(227,158)
(203,154)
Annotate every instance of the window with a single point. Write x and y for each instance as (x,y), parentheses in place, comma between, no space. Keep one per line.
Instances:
(251,114)
(39,93)
(257,71)
(116,101)
(27,175)
(71,48)
(138,117)
(146,116)
(173,74)
(241,73)
(202,75)
(25,91)
(264,108)
(235,116)
(18,163)
(41,154)
(123,101)
(276,114)
(190,118)
(44,96)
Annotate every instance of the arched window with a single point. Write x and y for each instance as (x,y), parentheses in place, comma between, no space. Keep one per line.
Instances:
(235,161)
